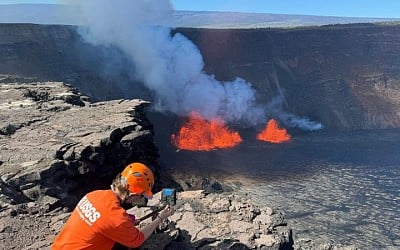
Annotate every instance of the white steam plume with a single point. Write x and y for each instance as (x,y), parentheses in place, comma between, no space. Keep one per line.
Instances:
(275,108)
(170,66)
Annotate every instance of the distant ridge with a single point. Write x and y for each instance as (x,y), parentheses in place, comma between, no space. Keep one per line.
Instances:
(212,19)
(37,13)
(63,14)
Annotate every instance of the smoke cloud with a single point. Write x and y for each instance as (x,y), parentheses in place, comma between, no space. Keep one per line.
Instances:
(275,109)
(171,66)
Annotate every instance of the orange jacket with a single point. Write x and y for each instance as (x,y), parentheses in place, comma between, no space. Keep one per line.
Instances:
(97,222)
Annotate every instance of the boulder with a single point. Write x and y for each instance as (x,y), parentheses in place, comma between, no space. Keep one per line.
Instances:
(209,228)
(55,145)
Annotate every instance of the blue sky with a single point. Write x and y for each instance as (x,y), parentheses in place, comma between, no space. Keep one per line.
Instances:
(353,8)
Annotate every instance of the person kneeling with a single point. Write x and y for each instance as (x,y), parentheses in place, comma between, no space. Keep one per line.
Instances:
(99,219)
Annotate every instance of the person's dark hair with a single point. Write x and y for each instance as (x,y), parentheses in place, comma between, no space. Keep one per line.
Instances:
(120,185)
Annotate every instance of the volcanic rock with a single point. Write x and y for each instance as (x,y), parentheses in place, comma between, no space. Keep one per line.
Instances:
(213,221)
(53,137)
(55,147)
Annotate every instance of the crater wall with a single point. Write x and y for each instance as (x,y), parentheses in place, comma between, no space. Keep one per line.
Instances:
(345,76)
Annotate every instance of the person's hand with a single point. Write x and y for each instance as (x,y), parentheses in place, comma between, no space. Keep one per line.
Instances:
(166,212)
(134,220)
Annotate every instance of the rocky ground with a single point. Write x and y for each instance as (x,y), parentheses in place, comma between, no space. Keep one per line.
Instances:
(202,221)
(56,145)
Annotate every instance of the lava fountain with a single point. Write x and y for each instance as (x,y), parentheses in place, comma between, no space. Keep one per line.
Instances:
(273,133)
(199,134)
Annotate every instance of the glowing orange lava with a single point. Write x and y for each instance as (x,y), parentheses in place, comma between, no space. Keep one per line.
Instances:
(201,135)
(272,133)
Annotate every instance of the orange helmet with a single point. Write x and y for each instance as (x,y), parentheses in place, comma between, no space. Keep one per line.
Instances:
(139,178)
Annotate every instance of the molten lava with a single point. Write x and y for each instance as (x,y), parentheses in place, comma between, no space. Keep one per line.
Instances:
(202,135)
(272,133)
